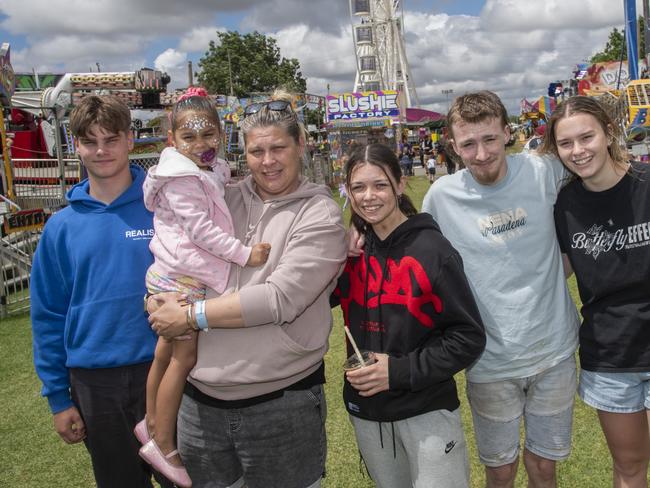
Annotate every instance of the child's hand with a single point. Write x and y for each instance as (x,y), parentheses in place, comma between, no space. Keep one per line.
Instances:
(259,254)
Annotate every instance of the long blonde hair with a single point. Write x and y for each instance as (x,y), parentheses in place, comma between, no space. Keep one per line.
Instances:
(586,105)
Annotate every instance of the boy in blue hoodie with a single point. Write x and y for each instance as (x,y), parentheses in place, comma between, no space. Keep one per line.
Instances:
(92,342)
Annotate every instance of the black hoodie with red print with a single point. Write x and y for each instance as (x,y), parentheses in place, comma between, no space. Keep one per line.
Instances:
(408,296)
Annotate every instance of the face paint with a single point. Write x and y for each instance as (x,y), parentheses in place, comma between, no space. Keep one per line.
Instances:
(197,123)
(208,155)
(197,137)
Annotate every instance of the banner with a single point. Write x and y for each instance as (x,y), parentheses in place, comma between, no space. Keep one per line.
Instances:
(599,78)
(7,77)
(363,106)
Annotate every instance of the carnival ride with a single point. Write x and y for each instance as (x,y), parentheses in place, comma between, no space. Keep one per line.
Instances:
(377,28)
(41,164)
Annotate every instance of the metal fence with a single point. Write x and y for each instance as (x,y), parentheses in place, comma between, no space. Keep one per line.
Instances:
(43,183)
(319,169)
(16,253)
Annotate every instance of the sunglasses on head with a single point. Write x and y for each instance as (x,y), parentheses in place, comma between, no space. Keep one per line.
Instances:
(275,105)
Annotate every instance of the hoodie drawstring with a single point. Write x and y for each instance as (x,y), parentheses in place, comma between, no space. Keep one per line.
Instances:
(392,433)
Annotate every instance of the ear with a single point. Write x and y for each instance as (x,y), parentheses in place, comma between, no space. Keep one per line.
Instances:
(170,138)
(454,146)
(506,131)
(129,138)
(610,134)
(401,185)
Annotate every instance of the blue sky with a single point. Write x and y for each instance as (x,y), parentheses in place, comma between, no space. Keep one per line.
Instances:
(514,47)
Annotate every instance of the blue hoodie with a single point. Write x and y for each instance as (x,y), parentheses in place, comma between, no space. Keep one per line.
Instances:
(87,284)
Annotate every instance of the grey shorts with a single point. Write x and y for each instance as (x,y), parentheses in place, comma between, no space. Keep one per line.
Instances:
(545,402)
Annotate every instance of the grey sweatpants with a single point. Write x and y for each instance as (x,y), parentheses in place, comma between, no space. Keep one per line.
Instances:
(429,450)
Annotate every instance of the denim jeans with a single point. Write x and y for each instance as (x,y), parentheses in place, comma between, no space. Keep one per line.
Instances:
(279,443)
(544,401)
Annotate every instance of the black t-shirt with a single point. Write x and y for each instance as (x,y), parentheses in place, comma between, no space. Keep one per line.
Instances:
(606,236)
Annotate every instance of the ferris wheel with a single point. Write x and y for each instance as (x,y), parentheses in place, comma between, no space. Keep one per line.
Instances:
(379,45)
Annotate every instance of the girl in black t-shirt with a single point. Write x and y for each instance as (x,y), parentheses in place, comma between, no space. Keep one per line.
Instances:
(602,219)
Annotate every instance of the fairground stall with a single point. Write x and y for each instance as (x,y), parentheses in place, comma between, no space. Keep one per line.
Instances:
(362,118)
(39,161)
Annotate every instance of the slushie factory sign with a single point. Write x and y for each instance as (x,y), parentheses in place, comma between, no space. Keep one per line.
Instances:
(363,105)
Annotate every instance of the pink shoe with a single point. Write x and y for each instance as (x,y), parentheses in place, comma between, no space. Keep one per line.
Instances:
(141,431)
(151,453)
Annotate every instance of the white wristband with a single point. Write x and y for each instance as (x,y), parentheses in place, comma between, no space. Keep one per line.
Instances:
(199,314)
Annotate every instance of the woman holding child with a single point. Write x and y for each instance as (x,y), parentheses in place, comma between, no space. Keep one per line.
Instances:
(253,412)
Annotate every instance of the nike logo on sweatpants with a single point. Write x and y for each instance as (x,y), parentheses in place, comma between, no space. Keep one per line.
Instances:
(450,445)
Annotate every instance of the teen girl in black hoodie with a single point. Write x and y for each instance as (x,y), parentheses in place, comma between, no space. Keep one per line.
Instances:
(406,298)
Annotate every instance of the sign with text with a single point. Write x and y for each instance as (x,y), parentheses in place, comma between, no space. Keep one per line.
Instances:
(383,104)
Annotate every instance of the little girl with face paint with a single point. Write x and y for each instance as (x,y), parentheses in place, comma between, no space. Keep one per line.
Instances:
(193,247)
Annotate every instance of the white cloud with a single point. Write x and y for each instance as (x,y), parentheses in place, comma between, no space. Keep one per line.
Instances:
(523,16)
(174,63)
(198,39)
(324,59)
(514,47)
(72,53)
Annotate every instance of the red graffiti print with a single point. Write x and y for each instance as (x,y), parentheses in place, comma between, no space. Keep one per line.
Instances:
(397,287)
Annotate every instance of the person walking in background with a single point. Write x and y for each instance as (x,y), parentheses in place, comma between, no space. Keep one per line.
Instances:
(92,344)
(602,219)
(431,168)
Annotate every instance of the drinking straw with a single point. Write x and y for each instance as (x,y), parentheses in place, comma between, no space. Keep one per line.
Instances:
(354,346)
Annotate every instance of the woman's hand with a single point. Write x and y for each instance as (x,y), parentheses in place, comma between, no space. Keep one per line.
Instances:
(168,314)
(372,379)
(356,241)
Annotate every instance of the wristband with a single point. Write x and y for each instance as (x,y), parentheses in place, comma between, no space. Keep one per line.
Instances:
(199,315)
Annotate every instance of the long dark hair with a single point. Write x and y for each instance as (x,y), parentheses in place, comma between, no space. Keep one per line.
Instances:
(385,159)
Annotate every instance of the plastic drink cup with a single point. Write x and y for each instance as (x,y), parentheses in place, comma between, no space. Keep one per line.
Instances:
(353,363)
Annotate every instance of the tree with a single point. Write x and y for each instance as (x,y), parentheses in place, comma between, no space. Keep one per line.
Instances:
(616,45)
(314,117)
(244,64)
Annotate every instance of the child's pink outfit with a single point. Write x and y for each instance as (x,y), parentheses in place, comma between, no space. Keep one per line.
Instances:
(193,228)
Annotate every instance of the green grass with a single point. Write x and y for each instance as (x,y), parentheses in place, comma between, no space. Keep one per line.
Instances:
(33,456)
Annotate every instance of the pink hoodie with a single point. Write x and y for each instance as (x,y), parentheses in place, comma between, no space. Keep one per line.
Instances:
(193,227)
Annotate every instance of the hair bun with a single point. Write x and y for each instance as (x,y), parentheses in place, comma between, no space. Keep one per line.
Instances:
(193,91)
